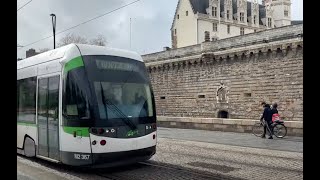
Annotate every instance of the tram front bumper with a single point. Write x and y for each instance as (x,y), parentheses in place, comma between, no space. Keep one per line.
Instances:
(100,160)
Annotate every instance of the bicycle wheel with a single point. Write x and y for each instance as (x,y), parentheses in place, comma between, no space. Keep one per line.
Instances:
(257,129)
(280,130)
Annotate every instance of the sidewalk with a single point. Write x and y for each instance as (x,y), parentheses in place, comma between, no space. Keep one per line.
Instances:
(29,169)
(294,128)
(289,143)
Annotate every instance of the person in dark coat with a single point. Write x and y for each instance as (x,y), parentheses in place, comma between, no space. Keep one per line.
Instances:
(267,116)
(274,112)
(274,109)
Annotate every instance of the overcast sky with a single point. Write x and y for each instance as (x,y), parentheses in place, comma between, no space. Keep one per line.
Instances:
(151,22)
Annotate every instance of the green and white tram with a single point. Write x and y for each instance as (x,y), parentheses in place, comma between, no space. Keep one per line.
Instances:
(85,105)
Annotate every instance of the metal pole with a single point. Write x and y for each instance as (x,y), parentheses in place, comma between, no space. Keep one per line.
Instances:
(54,29)
(130,33)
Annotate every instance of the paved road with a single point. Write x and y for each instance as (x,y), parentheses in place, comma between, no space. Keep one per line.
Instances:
(294,144)
(231,161)
(193,154)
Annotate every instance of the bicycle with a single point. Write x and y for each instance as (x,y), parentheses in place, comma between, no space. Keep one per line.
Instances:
(278,129)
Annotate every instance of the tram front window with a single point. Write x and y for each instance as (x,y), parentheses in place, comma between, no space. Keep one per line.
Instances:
(132,100)
(121,91)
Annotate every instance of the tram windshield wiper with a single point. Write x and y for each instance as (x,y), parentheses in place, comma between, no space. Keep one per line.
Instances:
(107,103)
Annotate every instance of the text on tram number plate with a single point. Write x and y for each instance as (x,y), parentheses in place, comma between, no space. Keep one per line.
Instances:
(81,156)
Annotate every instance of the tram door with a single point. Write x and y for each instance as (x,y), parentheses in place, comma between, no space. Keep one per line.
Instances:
(48,117)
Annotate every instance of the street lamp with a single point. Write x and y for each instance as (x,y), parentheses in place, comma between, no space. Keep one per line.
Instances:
(54,29)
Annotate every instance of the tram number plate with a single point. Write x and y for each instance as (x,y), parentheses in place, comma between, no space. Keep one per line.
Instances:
(81,156)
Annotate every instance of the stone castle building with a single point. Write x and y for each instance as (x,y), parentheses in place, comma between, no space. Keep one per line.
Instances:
(196,21)
(219,85)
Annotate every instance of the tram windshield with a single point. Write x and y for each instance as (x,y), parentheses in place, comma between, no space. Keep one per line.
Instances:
(111,89)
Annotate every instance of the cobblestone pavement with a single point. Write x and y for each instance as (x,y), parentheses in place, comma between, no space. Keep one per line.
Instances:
(193,154)
(232,161)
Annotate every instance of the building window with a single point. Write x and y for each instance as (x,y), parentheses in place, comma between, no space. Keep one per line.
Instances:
(228,14)
(242,31)
(162,97)
(175,31)
(186,13)
(255,30)
(242,17)
(269,22)
(178,16)
(214,11)
(206,36)
(286,13)
(254,19)
(228,29)
(215,27)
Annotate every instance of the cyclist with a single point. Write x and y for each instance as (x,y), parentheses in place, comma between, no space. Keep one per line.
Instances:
(267,116)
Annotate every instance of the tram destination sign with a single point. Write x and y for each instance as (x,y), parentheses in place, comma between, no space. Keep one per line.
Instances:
(113,65)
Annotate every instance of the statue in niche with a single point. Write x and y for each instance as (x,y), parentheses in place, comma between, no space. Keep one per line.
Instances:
(222,94)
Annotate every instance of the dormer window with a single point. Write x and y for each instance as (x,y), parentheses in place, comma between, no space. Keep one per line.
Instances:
(214,11)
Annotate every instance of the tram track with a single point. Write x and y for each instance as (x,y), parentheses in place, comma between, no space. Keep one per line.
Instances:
(152,170)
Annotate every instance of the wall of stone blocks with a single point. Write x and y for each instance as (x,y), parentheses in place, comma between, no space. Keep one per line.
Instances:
(269,71)
(276,78)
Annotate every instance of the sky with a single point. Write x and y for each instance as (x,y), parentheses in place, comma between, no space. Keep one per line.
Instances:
(150,22)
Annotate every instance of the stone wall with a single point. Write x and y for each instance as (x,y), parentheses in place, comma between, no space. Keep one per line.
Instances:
(233,75)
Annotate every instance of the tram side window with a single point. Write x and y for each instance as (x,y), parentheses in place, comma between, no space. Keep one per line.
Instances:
(26,99)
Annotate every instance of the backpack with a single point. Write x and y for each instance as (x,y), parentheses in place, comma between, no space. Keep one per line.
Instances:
(275,117)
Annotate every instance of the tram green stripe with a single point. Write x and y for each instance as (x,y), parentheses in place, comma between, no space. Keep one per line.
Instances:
(26,124)
(73,63)
(83,131)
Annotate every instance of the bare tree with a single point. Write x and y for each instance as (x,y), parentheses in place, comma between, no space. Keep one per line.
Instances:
(42,50)
(99,41)
(71,38)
